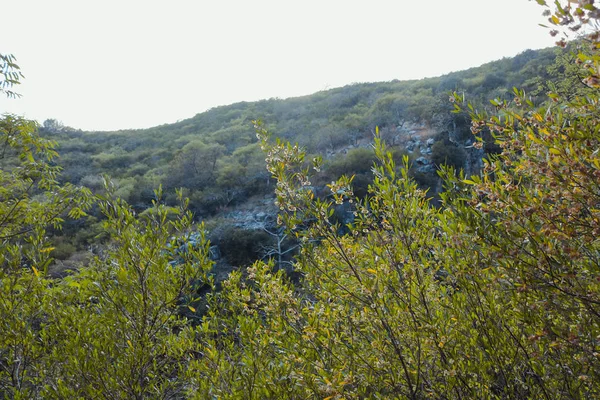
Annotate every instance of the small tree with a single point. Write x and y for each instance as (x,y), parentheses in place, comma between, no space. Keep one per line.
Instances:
(116,328)
(30,200)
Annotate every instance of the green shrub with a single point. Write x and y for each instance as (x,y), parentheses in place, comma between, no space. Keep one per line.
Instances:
(241,247)
(447,153)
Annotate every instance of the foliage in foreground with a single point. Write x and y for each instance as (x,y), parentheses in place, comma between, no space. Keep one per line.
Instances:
(493,295)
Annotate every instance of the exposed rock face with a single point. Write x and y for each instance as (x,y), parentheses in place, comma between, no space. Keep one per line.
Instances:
(424,165)
(256,214)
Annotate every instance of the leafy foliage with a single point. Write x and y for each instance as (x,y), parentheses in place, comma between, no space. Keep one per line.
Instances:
(30,200)
(242,247)
(110,329)
(114,325)
(10,75)
(493,294)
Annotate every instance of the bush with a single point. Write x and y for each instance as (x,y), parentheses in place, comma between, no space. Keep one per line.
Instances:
(241,247)
(447,153)
(63,249)
(356,161)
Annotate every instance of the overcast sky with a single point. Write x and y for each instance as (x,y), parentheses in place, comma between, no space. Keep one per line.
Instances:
(116,64)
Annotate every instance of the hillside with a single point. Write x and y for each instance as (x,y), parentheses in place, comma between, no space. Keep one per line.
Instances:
(215,156)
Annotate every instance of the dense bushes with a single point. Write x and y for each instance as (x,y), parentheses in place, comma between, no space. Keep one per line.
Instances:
(494,294)
(241,247)
(444,152)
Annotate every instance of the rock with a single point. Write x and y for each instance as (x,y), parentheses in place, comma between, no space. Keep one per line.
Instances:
(422,161)
(430,142)
(427,169)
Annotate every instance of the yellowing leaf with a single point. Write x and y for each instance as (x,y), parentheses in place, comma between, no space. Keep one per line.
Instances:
(371,270)
(47,250)
(35,271)
(130,344)
(192,309)
(554,151)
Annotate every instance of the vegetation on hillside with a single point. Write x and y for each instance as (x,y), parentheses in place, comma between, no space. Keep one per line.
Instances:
(215,156)
(493,293)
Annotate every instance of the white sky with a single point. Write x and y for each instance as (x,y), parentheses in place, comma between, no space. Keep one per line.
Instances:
(116,64)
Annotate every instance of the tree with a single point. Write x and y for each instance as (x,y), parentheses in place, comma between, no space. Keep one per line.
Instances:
(117,327)
(444,152)
(109,329)
(30,201)
(195,165)
(281,249)
(10,75)
(389,110)
(113,329)
(53,125)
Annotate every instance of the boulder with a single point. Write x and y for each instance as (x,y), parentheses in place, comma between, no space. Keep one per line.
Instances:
(422,161)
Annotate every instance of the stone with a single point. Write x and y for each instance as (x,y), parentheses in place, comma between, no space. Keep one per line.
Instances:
(427,169)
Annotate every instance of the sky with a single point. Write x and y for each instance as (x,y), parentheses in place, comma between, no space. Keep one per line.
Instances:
(121,64)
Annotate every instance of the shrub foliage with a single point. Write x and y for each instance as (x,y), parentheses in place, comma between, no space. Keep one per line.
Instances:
(493,294)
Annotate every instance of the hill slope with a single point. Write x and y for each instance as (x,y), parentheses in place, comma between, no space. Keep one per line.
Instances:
(215,156)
